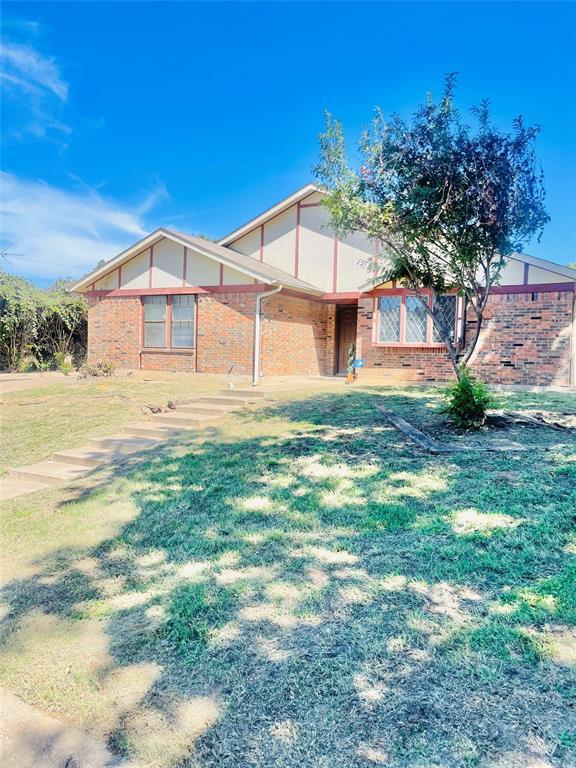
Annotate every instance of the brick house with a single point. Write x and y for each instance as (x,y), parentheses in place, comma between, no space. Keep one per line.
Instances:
(283,295)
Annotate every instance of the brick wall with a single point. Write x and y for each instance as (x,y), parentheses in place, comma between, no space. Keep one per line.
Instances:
(525,340)
(168,361)
(297,336)
(114,327)
(225,340)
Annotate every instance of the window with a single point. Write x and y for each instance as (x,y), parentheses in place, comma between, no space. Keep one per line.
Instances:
(389,326)
(183,320)
(154,321)
(401,319)
(416,321)
(447,307)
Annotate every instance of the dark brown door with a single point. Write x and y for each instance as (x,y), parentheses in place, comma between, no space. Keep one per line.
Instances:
(346,335)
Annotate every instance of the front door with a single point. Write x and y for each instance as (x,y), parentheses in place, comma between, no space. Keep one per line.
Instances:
(346,326)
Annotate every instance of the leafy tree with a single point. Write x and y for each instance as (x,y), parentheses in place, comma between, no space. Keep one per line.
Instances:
(46,325)
(447,203)
(19,319)
(63,323)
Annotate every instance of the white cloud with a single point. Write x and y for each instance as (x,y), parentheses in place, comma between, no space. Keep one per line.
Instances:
(65,233)
(34,85)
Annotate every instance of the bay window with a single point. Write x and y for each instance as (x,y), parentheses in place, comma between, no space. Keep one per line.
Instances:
(402,320)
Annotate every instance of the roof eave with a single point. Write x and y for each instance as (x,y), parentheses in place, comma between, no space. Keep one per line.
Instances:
(269,213)
(162,232)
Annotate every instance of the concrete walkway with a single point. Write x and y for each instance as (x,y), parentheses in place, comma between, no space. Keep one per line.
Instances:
(67,465)
(30,739)
(12,382)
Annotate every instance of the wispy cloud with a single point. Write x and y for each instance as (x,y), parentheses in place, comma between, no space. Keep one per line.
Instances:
(65,233)
(35,90)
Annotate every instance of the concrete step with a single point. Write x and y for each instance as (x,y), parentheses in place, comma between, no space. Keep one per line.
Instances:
(87,456)
(181,418)
(156,431)
(253,393)
(238,401)
(12,487)
(50,472)
(210,409)
(123,443)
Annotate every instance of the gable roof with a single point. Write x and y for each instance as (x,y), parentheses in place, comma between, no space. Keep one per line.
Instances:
(534,261)
(245,264)
(551,266)
(269,213)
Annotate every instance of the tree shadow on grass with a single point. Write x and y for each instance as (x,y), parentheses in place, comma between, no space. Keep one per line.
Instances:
(316,592)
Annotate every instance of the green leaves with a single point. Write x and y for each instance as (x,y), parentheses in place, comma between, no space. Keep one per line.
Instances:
(36,325)
(447,203)
(467,401)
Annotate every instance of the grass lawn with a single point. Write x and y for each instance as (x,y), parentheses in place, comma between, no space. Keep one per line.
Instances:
(300,586)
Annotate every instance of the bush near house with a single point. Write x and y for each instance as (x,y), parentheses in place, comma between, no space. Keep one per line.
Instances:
(40,328)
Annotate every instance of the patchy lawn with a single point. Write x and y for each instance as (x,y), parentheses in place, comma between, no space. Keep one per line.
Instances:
(302,587)
(37,422)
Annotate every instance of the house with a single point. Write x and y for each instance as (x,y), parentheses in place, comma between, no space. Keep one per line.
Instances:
(283,295)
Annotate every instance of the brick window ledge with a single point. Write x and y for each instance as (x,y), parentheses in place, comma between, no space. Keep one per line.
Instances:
(168,350)
(422,346)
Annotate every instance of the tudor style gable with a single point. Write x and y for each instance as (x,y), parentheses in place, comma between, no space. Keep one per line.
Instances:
(295,235)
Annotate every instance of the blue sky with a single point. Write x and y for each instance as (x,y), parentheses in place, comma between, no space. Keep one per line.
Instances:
(120,117)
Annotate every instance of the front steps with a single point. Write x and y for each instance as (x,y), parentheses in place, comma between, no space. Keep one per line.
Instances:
(68,465)
(49,472)
(249,394)
(177,418)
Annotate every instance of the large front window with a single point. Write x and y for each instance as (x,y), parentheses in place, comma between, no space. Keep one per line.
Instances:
(401,319)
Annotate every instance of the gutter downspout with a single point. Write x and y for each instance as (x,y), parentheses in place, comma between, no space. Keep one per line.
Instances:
(258,310)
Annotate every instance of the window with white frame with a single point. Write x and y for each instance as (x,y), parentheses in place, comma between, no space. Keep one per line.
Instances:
(183,307)
(154,321)
(416,321)
(402,319)
(389,308)
(448,307)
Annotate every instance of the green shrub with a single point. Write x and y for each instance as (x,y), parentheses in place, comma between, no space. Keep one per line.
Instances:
(63,362)
(101,369)
(467,401)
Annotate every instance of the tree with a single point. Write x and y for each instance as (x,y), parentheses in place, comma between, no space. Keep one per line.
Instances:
(43,325)
(446,202)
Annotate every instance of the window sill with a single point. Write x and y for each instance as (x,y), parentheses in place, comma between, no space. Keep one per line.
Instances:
(407,345)
(168,350)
